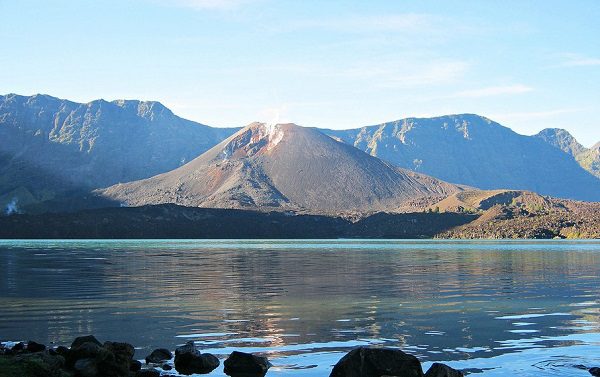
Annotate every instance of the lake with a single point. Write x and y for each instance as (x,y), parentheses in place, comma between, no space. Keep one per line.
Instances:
(496,308)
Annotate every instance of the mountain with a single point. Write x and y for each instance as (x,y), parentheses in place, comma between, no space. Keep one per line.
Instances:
(475,151)
(589,159)
(562,140)
(51,146)
(283,166)
(521,214)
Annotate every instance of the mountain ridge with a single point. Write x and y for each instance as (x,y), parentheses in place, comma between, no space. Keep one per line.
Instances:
(588,158)
(52,149)
(475,151)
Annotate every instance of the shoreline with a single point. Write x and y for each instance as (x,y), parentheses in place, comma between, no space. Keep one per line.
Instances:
(88,357)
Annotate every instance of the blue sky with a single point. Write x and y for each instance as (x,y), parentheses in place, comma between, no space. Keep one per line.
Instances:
(337,64)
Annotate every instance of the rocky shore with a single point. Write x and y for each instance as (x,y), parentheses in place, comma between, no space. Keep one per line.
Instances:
(88,357)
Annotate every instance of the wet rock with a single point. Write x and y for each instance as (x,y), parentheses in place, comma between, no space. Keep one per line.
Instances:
(159,355)
(111,360)
(86,367)
(595,371)
(85,339)
(123,353)
(62,351)
(17,348)
(167,367)
(189,360)
(240,364)
(442,370)
(376,362)
(135,365)
(39,364)
(148,373)
(35,347)
(87,350)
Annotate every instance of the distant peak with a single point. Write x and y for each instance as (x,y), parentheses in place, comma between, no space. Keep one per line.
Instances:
(145,109)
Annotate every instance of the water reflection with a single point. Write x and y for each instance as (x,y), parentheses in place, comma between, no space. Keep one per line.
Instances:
(307,303)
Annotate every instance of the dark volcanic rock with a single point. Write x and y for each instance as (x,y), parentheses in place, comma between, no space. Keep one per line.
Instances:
(240,364)
(86,368)
(19,347)
(441,370)
(189,360)
(89,359)
(595,371)
(62,350)
(35,347)
(377,362)
(159,355)
(135,365)
(148,373)
(85,339)
(123,356)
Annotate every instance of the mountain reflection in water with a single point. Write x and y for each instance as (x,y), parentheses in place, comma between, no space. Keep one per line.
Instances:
(494,307)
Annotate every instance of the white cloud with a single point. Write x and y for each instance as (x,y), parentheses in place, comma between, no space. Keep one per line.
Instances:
(494,91)
(577,60)
(412,22)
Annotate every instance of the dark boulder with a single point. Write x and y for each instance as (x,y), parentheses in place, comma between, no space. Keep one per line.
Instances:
(158,356)
(377,362)
(123,356)
(240,364)
(595,371)
(85,339)
(62,350)
(87,350)
(91,360)
(86,368)
(18,348)
(35,347)
(167,367)
(188,360)
(135,365)
(147,373)
(442,370)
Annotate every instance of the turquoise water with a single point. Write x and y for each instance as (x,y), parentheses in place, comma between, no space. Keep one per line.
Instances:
(496,308)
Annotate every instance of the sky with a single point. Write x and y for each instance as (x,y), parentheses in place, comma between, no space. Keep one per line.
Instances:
(528,65)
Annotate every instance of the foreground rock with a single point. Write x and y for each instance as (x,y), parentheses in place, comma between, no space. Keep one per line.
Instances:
(158,356)
(188,360)
(33,365)
(441,370)
(90,359)
(595,371)
(240,364)
(377,362)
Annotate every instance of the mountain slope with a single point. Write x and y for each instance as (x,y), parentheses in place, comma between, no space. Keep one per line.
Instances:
(521,214)
(475,151)
(283,166)
(82,146)
(589,159)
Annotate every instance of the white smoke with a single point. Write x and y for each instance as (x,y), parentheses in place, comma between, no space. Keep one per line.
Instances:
(11,207)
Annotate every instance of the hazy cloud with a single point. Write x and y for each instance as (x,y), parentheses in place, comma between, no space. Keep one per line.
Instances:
(577,60)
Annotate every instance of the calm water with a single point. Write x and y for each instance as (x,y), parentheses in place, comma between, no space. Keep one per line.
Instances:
(499,308)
